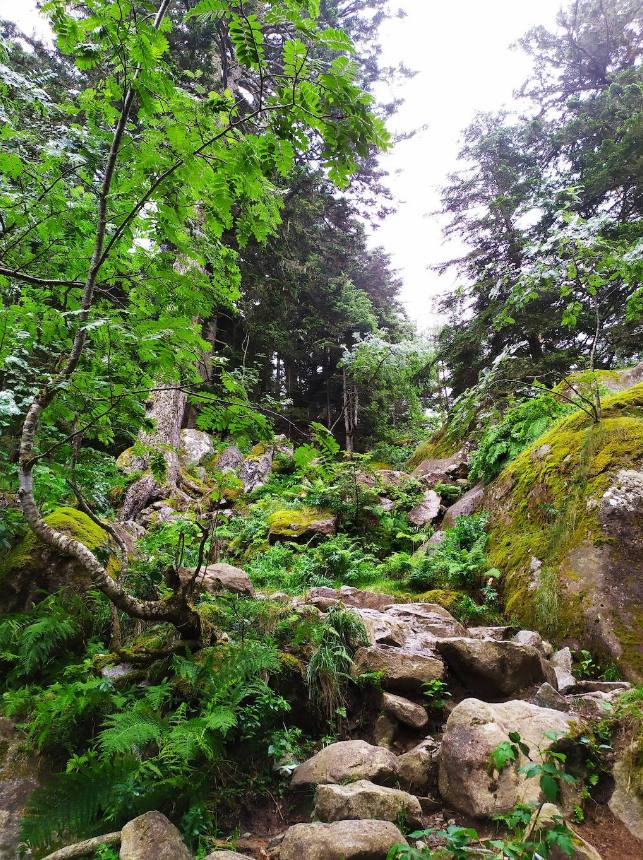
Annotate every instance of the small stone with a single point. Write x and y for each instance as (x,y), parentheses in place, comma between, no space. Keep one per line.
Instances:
(547,697)
(562,663)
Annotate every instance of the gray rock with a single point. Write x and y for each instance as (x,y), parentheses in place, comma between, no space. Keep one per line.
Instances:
(442,470)
(195,447)
(254,471)
(347,760)
(465,506)
(230,460)
(226,855)
(402,671)
(498,633)
(152,835)
(218,577)
(423,623)
(474,729)
(19,777)
(589,686)
(547,697)
(349,596)
(492,669)
(531,637)
(562,663)
(405,711)
(384,731)
(419,765)
(626,802)
(364,799)
(341,840)
(426,510)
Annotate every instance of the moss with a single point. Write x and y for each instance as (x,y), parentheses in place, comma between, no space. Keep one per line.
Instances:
(294,522)
(72,522)
(442,596)
(438,446)
(125,460)
(545,505)
(291,664)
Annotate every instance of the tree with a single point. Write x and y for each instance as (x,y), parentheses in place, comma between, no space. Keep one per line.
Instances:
(138,170)
(581,131)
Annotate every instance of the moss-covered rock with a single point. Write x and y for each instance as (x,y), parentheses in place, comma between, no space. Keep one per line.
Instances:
(294,523)
(570,566)
(31,565)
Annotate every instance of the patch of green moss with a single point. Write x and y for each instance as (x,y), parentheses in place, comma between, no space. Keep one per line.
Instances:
(71,522)
(125,460)
(294,522)
(545,503)
(445,597)
(440,445)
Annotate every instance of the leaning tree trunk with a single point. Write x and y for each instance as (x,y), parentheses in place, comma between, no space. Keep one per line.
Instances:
(166,408)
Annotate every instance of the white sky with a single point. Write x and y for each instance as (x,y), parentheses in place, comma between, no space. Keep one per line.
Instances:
(461,51)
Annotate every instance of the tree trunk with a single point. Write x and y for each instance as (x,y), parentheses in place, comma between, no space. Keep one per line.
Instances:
(165,408)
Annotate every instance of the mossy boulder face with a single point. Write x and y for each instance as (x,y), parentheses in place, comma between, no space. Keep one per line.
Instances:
(31,565)
(301,523)
(567,531)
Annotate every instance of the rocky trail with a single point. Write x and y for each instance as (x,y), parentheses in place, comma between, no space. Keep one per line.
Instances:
(433,699)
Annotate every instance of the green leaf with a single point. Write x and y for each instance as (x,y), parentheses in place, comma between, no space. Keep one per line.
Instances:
(549,787)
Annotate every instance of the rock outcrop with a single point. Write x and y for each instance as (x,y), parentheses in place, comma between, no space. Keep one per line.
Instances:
(492,669)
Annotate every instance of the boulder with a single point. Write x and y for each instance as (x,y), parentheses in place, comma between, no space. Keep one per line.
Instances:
(364,799)
(442,470)
(492,669)
(426,510)
(195,447)
(152,835)
(424,623)
(535,640)
(341,840)
(392,477)
(404,711)
(229,460)
(300,524)
(474,729)
(562,663)
(382,628)
(384,731)
(353,597)
(595,569)
(222,577)
(254,471)
(497,633)
(626,801)
(419,765)
(465,506)
(402,670)
(346,760)
(547,697)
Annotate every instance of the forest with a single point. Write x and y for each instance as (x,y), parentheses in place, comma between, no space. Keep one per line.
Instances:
(282,575)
